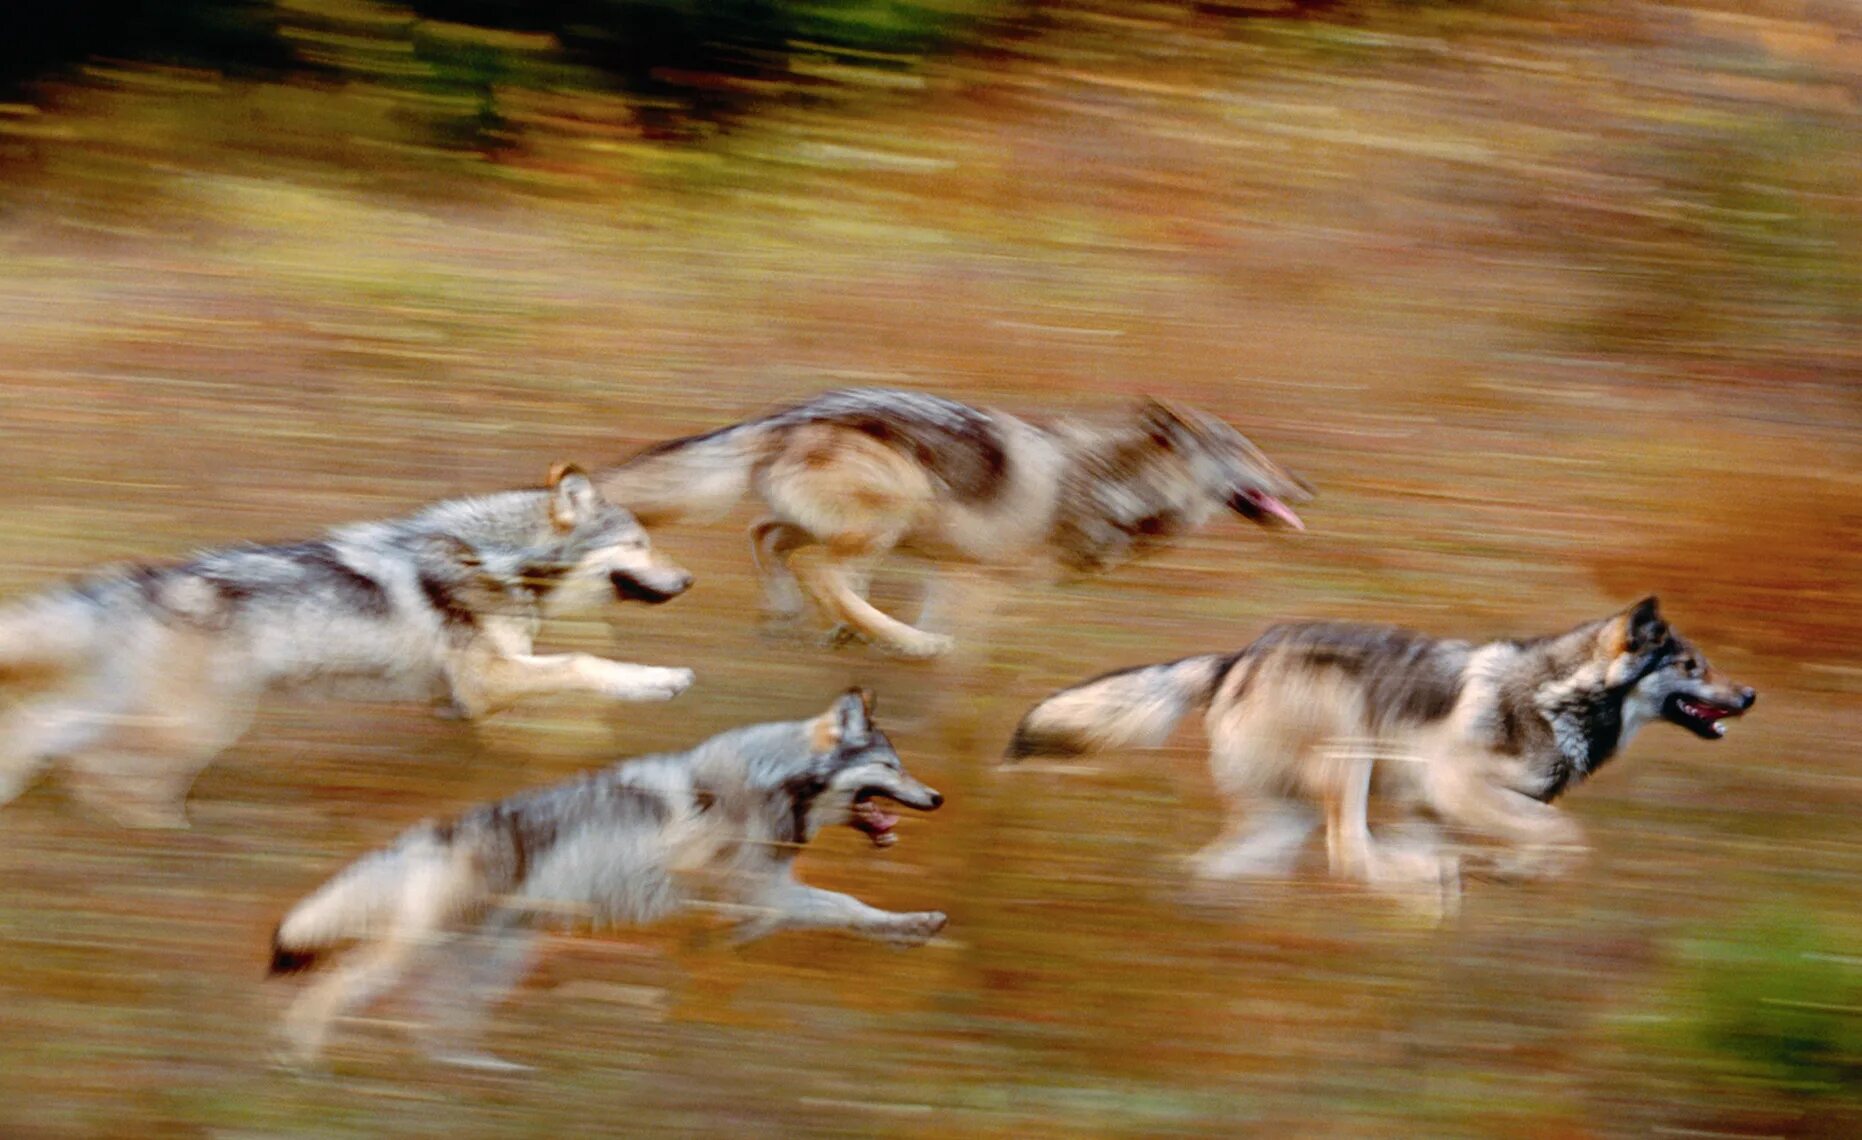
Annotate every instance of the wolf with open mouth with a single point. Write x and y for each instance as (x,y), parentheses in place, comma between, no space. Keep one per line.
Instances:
(636,842)
(1312,719)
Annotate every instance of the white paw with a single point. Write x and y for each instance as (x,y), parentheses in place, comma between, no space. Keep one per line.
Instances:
(917,929)
(652,684)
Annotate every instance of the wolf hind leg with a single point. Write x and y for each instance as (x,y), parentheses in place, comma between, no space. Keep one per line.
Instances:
(368,973)
(35,733)
(1265,843)
(140,770)
(832,579)
(771,543)
(472,974)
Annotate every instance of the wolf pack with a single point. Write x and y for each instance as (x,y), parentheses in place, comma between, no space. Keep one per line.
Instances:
(132,679)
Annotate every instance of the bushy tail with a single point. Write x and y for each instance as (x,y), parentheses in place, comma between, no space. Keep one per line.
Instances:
(1130,707)
(46,635)
(699,478)
(363,898)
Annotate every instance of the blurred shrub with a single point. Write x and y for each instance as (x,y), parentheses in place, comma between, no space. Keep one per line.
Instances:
(39,37)
(1775,1005)
(703,56)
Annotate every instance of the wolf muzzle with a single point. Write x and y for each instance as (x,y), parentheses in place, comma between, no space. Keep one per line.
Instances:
(1261,507)
(631,589)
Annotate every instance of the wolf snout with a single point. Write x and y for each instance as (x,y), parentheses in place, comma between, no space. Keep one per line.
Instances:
(652,591)
(1258,506)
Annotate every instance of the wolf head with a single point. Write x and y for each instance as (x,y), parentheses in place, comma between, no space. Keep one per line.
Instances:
(598,550)
(1224,468)
(852,766)
(1667,675)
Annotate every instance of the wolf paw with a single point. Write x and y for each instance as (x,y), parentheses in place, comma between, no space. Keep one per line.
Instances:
(917,929)
(840,636)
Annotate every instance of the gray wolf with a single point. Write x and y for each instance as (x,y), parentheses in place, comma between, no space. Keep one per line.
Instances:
(853,474)
(1312,719)
(137,677)
(632,843)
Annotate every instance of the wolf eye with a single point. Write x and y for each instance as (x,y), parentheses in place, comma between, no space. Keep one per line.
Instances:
(1692,666)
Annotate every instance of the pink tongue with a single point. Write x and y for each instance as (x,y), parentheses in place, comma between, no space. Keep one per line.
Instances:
(1279,510)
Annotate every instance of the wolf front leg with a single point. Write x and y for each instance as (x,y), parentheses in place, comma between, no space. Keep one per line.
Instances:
(1541,841)
(797,906)
(486,682)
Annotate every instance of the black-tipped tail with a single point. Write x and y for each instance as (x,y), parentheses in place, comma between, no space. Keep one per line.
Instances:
(288,961)
(1131,707)
(1032,740)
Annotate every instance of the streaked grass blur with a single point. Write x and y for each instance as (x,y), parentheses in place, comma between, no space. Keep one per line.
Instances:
(1555,302)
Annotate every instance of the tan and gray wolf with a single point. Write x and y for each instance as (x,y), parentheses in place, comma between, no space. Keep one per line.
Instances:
(853,474)
(136,678)
(632,843)
(1312,718)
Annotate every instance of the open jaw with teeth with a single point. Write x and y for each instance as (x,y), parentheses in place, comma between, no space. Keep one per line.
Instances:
(876,822)
(1699,715)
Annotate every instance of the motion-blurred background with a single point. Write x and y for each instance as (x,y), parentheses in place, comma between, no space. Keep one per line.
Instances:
(1556,301)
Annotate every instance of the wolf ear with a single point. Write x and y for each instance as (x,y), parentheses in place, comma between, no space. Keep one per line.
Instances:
(572,496)
(1643,626)
(1162,422)
(852,722)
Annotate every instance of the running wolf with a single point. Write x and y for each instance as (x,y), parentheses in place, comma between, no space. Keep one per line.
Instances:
(138,677)
(850,475)
(631,843)
(1483,737)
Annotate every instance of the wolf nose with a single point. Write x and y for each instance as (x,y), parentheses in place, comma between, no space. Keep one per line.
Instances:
(681,584)
(1747,696)
(937,800)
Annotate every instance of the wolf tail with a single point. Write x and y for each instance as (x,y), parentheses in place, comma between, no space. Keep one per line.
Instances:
(699,478)
(365,898)
(1130,707)
(49,634)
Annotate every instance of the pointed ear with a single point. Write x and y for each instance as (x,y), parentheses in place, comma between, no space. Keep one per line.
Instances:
(1643,626)
(1162,422)
(852,721)
(572,496)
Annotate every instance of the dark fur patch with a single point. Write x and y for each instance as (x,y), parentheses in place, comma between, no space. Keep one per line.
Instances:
(540,578)
(357,589)
(959,445)
(1406,676)
(444,598)
(801,791)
